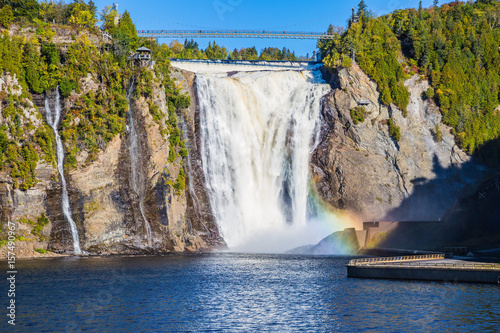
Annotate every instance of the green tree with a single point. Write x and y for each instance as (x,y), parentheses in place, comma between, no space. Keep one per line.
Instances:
(362,9)
(93,8)
(127,33)
(82,15)
(109,18)
(32,68)
(26,9)
(429,93)
(6,16)
(4,141)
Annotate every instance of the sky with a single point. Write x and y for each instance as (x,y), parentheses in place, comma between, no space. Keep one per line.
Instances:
(278,15)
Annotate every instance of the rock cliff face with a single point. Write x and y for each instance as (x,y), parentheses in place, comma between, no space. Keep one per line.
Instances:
(19,206)
(105,208)
(198,204)
(355,167)
(360,168)
(109,210)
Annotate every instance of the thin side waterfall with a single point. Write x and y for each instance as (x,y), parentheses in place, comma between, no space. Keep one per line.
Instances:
(136,176)
(257,132)
(53,119)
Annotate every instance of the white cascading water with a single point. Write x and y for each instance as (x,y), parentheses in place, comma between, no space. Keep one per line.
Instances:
(53,119)
(135,158)
(258,130)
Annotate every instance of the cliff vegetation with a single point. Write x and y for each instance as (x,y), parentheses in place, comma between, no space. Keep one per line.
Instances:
(39,65)
(455,47)
(48,46)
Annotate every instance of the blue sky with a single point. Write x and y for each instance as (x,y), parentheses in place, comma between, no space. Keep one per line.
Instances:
(290,15)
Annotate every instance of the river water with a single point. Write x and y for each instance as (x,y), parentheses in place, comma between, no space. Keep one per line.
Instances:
(238,293)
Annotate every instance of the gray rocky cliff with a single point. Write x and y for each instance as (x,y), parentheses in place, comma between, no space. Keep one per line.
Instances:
(106,210)
(361,169)
(109,209)
(198,204)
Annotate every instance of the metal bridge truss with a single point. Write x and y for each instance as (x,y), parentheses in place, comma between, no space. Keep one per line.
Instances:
(231,34)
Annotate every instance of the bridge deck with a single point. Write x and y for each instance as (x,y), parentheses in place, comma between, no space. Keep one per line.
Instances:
(221,66)
(232,34)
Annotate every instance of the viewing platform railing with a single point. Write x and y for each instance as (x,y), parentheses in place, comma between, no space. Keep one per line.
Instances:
(361,261)
(415,262)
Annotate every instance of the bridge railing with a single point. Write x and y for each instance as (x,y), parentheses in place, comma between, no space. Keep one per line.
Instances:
(407,264)
(355,262)
(416,262)
(235,33)
(297,63)
(230,32)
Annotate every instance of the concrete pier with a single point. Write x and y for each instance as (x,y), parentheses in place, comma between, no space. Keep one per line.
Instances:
(426,267)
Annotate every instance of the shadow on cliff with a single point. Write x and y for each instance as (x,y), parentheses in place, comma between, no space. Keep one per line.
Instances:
(466,214)
(431,198)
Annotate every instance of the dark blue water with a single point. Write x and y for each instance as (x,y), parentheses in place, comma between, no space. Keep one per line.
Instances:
(238,293)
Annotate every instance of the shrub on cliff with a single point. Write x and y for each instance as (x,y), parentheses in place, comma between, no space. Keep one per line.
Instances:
(394,130)
(180,183)
(358,114)
(429,93)
(66,86)
(438,135)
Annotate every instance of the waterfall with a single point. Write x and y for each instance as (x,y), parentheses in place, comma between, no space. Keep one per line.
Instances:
(258,130)
(136,176)
(53,119)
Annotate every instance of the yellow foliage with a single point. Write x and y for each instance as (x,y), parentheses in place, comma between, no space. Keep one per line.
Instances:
(81,16)
(332,60)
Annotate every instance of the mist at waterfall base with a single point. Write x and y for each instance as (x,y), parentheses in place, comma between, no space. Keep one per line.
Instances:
(257,132)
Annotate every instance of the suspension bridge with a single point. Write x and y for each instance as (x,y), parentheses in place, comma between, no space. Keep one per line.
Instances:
(233,34)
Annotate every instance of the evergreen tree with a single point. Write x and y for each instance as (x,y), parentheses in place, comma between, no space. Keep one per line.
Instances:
(362,8)
(92,8)
(127,34)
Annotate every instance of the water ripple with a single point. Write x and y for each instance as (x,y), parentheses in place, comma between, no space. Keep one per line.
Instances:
(239,292)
